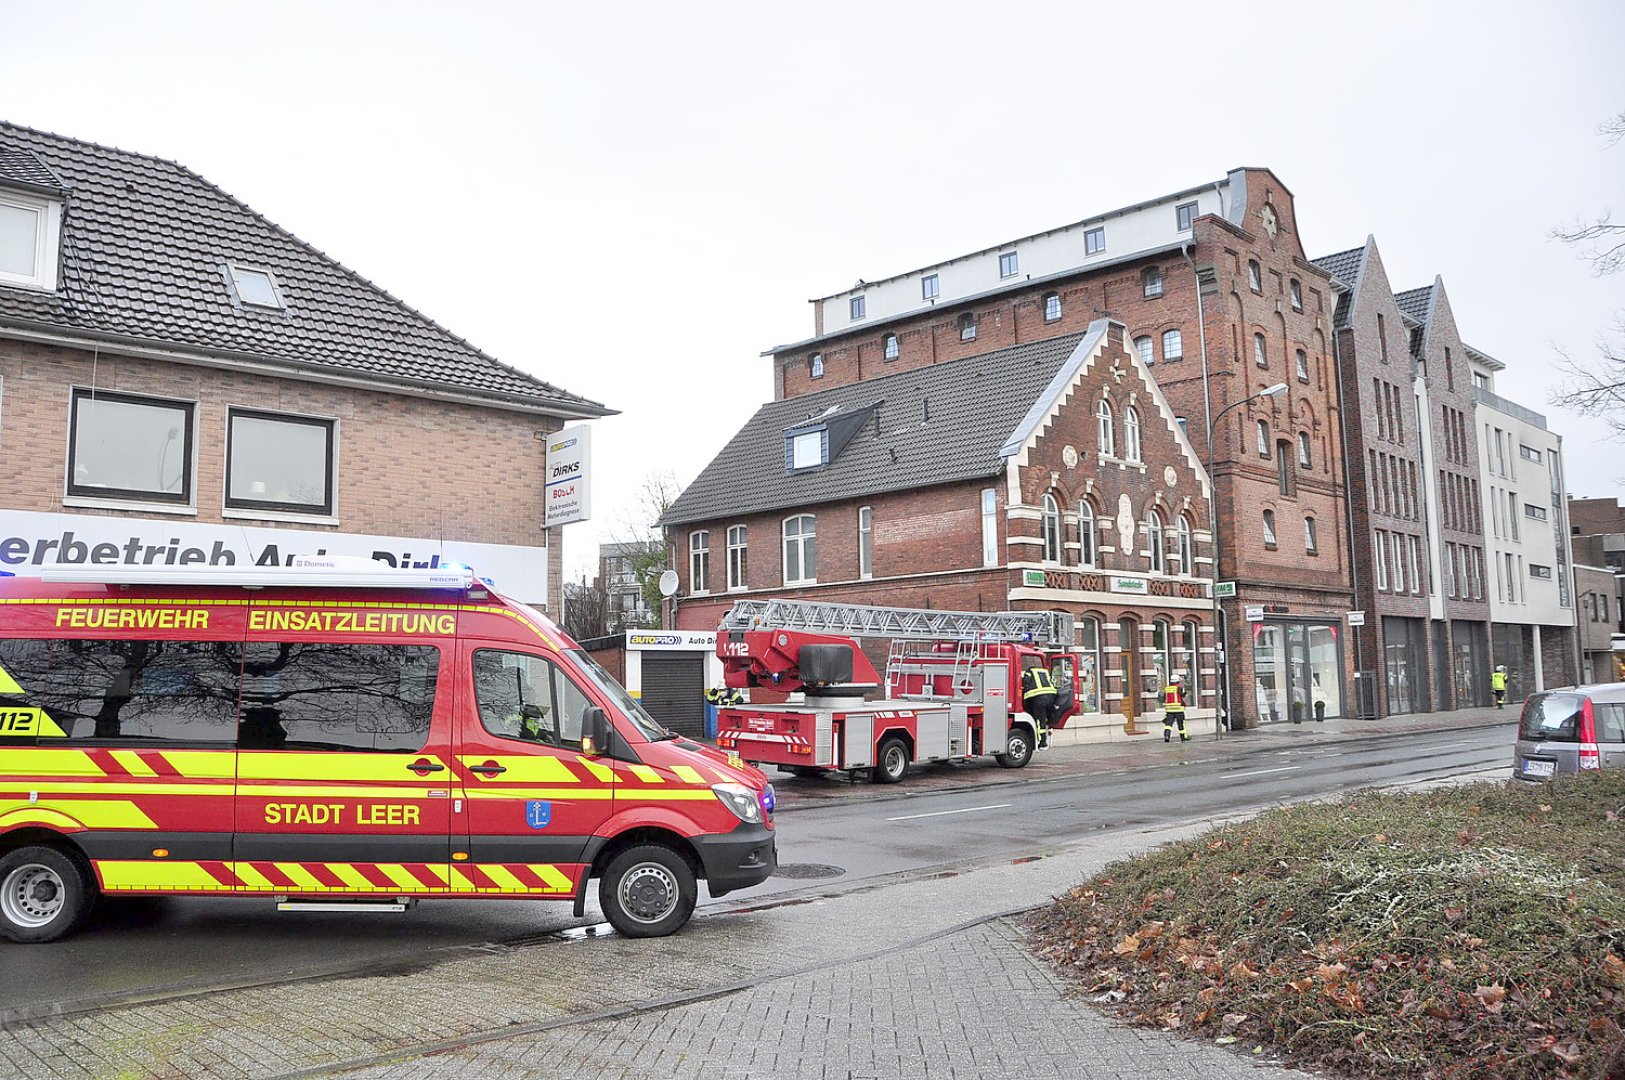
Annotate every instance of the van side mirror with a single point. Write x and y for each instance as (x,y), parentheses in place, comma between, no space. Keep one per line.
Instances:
(594,731)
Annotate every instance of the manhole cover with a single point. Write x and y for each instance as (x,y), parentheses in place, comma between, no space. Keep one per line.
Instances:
(807,870)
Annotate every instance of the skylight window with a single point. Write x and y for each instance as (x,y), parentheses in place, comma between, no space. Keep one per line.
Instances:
(256,288)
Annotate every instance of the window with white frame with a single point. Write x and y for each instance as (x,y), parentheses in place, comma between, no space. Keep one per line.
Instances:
(1156,557)
(1050,525)
(1086,534)
(1009,264)
(806,449)
(1094,241)
(1399,562)
(889,347)
(279,462)
(1379,552)
(1269,528)
(967,327)
(930,287)
(1147,349)
(1173,345)
(30,235)
(1303,449)
(1131,435)
(866,542)
(1261,355)
(1184,550)
(1512,580)
(1104,428)
(1052,306)
(1311,542)
(1151,282)
(737,552)
(801,550)
(126,447)
(255,287)
(815,365)
(1448,565)
(1530,510)
(1185,657)
(990,527)
(1415,546)
(1162,656)
(860,307)
(1302,360)
(1263,438)
(1184,215)
(1295,294)
(699,561)
(1255,278)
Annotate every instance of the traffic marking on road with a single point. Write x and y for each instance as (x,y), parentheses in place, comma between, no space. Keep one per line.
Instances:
(1261,772)
(941,813)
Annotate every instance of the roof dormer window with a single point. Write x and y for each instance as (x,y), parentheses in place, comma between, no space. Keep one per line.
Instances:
(804,449)
(30,228)
(254,287)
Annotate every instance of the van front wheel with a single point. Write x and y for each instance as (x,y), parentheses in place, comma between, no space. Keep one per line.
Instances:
(648,891)
(44,894)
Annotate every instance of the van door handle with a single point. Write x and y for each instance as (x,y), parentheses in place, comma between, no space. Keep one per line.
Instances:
(489,768)
(423,766)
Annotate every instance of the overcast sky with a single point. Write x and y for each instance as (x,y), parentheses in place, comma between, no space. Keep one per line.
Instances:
(632,201)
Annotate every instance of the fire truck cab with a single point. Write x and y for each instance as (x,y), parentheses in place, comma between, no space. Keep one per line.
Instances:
(323,735)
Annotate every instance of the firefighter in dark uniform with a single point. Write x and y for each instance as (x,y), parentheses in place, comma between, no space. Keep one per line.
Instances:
(1173,709)
(1038,698)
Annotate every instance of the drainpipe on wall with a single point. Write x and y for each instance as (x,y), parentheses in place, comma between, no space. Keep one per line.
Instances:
(1348,499)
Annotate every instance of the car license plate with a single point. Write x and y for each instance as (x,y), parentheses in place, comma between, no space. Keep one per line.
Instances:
(1538,768)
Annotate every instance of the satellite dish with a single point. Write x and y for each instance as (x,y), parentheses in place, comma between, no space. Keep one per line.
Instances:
(668,583)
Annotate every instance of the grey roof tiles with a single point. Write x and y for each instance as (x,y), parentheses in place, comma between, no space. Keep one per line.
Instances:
(145,247)
(1414,302)
(932,425)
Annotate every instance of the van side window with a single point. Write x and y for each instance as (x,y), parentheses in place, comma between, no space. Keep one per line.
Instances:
(1610,722)
(526,697)
(127,692)
(319,695)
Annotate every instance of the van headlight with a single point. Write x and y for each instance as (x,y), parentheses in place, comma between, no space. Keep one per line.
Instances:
(739,799)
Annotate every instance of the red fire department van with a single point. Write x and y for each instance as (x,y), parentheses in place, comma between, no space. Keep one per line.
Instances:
(324,735)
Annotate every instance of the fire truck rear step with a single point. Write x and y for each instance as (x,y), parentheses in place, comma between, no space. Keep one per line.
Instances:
(400,903)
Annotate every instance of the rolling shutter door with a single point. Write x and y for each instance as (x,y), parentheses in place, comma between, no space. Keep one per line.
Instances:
(674,690)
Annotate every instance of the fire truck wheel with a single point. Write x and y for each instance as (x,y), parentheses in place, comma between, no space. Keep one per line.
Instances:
(648,891)
(1018,751)
(893,760)
(44,894)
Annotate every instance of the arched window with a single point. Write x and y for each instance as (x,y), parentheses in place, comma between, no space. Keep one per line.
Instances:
(1302,359)
(736,557)
(1146,348)
(1051,524)
(801,550)
(1104,427)
(1052,306)
(1269,528)
(1311,543)
(967,327)
(1303,449)
(1086,534)
(1173,345)
(1263,438)
(1184,552)
(1261,355)
(890,347)
(1153,542)
(815,365)
(1131,434)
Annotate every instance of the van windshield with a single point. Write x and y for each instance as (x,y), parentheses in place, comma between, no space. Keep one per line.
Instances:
(613,690)
(1552,717)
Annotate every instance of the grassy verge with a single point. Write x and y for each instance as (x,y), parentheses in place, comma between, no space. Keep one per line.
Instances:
(1476,931)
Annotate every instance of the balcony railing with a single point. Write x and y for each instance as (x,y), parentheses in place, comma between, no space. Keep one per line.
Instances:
(1511,408)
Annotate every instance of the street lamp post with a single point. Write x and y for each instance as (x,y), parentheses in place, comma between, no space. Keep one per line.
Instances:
(1223,642)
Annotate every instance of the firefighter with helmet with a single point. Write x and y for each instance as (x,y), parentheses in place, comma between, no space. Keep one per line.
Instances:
(1174,701)
(1498,683)
(1038,697)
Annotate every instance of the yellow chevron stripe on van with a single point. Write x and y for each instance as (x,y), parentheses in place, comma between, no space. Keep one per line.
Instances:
(599,772)
(300,876)
(251,877)
(557,880)
(133,763)
(647,774)
(366,768)
(688,773)
(504,878)
(402,877)
(8,685)
(118,874)
(347,873)
(41,761)
(538,769)
(202,764)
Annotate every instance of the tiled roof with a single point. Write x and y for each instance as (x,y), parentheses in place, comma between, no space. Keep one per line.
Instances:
(1345,267)
(933,425)
(145,246)
(1414,302)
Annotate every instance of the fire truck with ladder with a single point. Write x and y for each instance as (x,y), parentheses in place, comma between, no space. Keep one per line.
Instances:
(952,685)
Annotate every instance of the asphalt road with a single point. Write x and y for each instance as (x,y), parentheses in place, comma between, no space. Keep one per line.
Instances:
(138,949)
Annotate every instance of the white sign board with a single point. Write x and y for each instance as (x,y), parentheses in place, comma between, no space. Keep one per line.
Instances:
(1138,586)
(671,640)
(569,483)
(1255,613)
(1356,618)
(29,539)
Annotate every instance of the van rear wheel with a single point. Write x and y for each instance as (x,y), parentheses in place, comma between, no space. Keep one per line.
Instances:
(648,891)
(44,894)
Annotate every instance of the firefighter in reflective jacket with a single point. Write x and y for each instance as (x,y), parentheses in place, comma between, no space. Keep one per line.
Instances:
(1038,698)
(1498,683)
(1173,709)
(723,696)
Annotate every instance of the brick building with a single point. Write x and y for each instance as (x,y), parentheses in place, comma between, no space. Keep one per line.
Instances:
(1050,475)
(182,381)
(1218,300)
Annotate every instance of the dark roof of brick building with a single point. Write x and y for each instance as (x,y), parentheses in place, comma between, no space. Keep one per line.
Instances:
(1414,302)
(1345,267)
(933,425)
(144,251)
